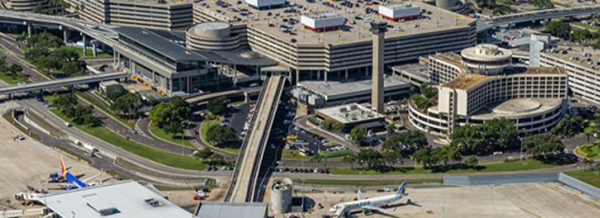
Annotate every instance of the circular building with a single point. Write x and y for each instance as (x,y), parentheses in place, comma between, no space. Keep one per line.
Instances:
(486,59)
(281,195)
(215,36)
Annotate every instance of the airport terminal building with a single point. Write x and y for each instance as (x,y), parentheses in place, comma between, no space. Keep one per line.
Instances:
(335,40)
(153,14)
(481,84)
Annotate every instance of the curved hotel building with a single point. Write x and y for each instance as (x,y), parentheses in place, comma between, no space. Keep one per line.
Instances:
(482,84)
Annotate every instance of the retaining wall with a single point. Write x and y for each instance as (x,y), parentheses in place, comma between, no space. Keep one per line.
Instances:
(579,185)
(500,179)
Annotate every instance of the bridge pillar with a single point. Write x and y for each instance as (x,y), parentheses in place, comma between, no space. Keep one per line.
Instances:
(84,39)
(65,35)
(346,76)
(94,54)
(29,29)
(325,75)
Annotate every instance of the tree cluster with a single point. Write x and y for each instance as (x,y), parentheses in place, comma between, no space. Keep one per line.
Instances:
(210,157)
(569,126)
(172,115)
(70,107)
(47,54)
(358,134)
(542,4)
(433,157)
(421,101)
(543,146)
(221,135)
(128,105)
(14,71)
(406,143)
(332,125)
(493,135)
(218,106)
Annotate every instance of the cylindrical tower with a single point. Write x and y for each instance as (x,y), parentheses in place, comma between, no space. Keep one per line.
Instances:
(281,195)
(214,36)
(486,59)
(446,4)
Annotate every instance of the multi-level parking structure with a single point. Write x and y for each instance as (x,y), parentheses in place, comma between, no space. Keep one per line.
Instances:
(153,14)
(276,33)
(582,64)
(534,98)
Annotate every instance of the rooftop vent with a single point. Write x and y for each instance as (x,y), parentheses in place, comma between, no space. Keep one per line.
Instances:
(153,202)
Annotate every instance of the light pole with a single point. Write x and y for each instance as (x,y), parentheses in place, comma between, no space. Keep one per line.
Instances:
(521,152)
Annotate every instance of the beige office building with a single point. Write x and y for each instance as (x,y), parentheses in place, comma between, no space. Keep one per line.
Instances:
(534,98)
(582,64)
(333,50)
(153,14)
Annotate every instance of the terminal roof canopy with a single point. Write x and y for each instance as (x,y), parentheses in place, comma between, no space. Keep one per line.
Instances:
(160,44)
(126,199)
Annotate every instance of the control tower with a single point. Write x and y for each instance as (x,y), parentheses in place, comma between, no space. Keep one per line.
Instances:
(378,28)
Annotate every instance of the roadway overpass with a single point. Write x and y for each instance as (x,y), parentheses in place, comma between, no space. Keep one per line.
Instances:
(62,82)
(244,182)
(543,14)
(229,94)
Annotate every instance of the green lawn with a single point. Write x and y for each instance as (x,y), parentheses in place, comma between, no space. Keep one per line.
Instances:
(13,80)
(89,52)
(585,26)
(160,133)
(587,176)
(204,126)
(366,182)
(157,155)
(126,122)
(589,150)
(489,167)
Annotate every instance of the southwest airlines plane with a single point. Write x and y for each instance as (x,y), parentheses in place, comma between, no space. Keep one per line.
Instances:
(368,204)
(72,181)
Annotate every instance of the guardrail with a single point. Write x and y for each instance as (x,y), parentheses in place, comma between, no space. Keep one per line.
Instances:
(500,179)
(579,185)
(240,158)
(263,144)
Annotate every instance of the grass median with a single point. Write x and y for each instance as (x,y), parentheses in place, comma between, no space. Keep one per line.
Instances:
(591,151)
(488,167)
(126,122)
(366,182)
(156,155)
(89,52)
(12,80)
(588,176)
(175,139)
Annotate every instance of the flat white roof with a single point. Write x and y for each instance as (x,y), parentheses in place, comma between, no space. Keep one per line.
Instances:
(350,113)
(116,200)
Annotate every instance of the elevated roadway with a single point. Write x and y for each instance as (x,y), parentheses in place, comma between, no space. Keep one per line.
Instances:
(62,82)
(228,94)
(543,14)
(244,181)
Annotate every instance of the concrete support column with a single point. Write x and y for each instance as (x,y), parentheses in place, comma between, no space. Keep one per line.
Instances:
(65,35)
(346,74)
(94,54)
(29,30)
(84,39)
(297,76)
(318,75)
(325,75)
(235,80)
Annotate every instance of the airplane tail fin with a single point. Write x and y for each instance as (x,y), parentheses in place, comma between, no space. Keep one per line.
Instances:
(401,188)
(63,169)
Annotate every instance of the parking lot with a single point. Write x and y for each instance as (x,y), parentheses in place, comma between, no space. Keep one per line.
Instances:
(546,200)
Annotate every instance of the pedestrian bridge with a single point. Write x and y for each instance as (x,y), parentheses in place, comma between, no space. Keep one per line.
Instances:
(62,82)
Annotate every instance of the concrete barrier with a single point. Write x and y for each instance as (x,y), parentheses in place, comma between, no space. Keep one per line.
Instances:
(22,213)
(579,185)
(500,179)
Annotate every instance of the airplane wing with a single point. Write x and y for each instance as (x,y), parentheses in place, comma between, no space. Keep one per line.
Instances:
(93,177)
(374,208)
(59,184)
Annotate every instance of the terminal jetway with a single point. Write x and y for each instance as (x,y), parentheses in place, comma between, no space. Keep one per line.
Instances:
(62,82)
(244,182)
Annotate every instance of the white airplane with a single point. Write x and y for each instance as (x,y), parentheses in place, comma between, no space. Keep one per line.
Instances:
(368,204)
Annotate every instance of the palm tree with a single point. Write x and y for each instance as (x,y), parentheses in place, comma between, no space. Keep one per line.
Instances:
(318,158)
(350,158)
